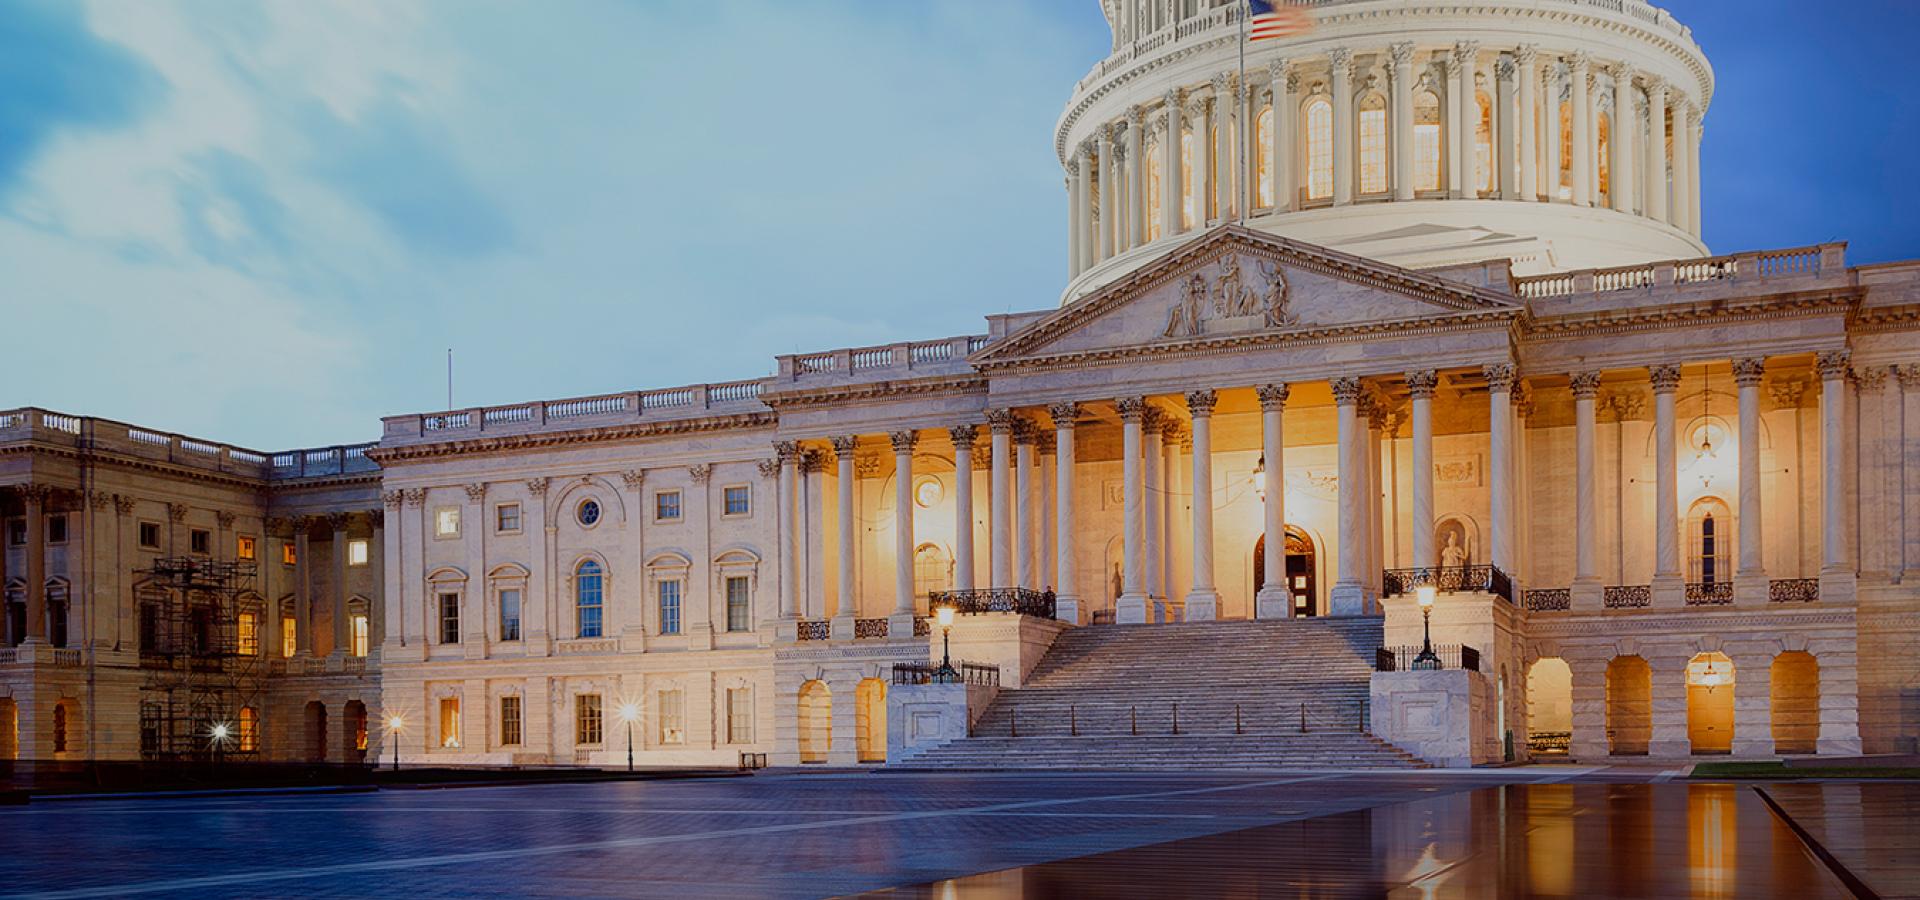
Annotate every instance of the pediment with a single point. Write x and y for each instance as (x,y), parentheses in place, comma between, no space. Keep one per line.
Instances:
(1234,284)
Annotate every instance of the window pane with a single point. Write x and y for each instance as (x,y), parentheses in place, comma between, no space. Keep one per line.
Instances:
(359,636)
(450,722)
(737,501)
(1373,146)
(357,553)
(449,618)
(739,604)
(586,719)
(509,517)
(446,522)
(666,505)
(672,712)
(587,596)
(510,721)
(1319,149)
(510,615)
(669,607)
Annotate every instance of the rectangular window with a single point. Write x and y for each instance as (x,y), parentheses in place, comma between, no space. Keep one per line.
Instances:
(201,540)
(586,719)
(150,535)
(669,606)
(739,604)
(359,636)
(666,506)
(289,638)
(17,532)
(450,722)
(357,552)
(56,529)
(243,547)
(449,618)
(506,518)
(737,500)
(249,634)
(740,715)
(673,716)
(288,556)
(510,614)
(446,522)
(510,721)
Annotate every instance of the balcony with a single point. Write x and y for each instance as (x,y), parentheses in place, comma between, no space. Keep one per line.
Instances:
(1793,590)
(1627,596)
(991,600)
(1449,579)
(1548,600)
(1710,593)
(108,436)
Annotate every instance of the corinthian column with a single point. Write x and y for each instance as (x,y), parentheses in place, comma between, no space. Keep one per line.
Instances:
(845,604)
(1133,594)
(903,442)
(1076,202)
(1668,583)
(1837,582)
(1349,591)
(1750,577)
(1203,174)
(1203,604)
(1153,425)
(1000,555)
(1225,91)
(1084,242)
(1402,59)
(1500,464)
(1275,598)
(1503,163)
(1620,142)
(1172,181)
(1582,129)
(1680,213)
(1285,113)
(1109,210)
(788,487)
(1136,176)
(1066,576)
(1341,59)
(1466,118)
(1526,58)
(1421,386)
(1656,174)
(1023,533)
(963,437)
(1586,573)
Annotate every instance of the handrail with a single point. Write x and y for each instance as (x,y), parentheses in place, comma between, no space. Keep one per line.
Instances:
(978,674)
(1406,658)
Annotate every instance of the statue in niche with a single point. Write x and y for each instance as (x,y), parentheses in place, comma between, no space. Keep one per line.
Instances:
(1184,319)
(1453,545)
(1119,583)
(1278,297)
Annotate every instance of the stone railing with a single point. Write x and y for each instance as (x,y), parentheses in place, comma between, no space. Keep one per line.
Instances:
(1794,590)
(1448,579)
(108,436)
(1627,596)
(1547,600)
(9,655)
(586,647)
(891,359)
(1753,266)
(579,412)
(67,659)
(1714,593)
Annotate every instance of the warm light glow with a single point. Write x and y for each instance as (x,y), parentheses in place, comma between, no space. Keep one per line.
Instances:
(628,712)
(220,732)
(945,614)
(1260,479)
(1426,594)
(396,723)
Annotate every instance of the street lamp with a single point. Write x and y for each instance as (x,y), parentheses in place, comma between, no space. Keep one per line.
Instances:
(628,712)
(394,725)
(1427,658)
(217,737)
(946,674)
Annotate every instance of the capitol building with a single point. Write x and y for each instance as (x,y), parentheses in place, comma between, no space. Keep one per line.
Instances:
(1400,337)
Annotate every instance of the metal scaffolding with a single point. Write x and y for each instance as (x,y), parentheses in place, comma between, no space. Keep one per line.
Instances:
(202,655)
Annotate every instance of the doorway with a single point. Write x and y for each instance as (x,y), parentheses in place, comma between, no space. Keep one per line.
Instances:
(1302,564)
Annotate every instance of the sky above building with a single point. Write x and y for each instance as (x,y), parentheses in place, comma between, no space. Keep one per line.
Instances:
(267,223)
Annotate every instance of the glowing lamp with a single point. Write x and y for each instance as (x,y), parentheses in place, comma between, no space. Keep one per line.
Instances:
(1425,594)
(628,712)
(945,616)
(220,731)
(395,723)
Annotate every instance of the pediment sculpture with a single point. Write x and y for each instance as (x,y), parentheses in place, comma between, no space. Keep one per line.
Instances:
(1228,299)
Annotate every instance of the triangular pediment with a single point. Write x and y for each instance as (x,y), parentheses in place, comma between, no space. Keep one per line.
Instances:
(1232,284)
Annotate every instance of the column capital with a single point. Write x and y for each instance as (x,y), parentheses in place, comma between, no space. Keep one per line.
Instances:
(1833,363)
(634,479)
(1623,72)
(1585,385)
(1132,409)
(1073,166)
(903,441)
(787,451)
(769,468)
(963,436)
(1505,69)
(700,472)
(476,491)
(1171,99)
(812,461)
(845,444)
(1347,390)
(1421,385)
(1580,61)
(535,486)
(1523,399)
(1200,403)
(1464,52)
(123,504)
(175,511)
(1000,421)
(1656,87)
(1526,55)
(1871,379)
(1273,397)
(1787,392)
(1136,116)
(226,518)
(1023,431)
(1340,58)
(1401,53)
(1153,420)
(1278,72)
(336,521)
(1749,372)
(1665,378)
(1499,377)
(1909,376)
(1065,414)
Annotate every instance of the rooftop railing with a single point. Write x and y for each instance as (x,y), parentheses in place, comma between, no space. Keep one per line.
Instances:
(1754,266)
(106,435)
(888,359)
(572,412)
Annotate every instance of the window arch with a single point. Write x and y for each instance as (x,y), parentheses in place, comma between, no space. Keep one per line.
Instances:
(1262,169)
(249,729)
(1709,540)
(932,570)
(1483,143)
(1373,144)
(1427,144)
(1563,180)
(589,588)
(1155,196)
(1604,128)
(1189,182)
(1319,132)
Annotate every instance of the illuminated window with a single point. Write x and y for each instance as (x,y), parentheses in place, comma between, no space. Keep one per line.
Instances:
(446,522)
(249,634)
(666,506)
(1564,184)
(249,729)
(1426,142)
(1319,129)
(288,556)
(1189,182)
(509,614)
(510,721)
(587,720)
(506,518)
(289,638)
(739,715)
(669,596)
(1483,144)
(358,712)
(1262,158)
(588,581)
(358,636)
(449,618)
(1709,524)
(736,500)
(450,723)
(1373,145)
(357,552)
(739,603)
(1605,130)
(932,571)
(928,493)
(244,548)
(672,712)
(1155,172)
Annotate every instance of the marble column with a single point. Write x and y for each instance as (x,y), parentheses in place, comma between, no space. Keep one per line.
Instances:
(1750,577)
(477,631)
(1550,136)
(1380,422)
(1669,738)
(1000,511)
(1203,174)
(963,437)
(1106,211)
(1136,177)
(1066,577)
(1083,176)
(1076,206)
(903,443)
(788,485)
(1153,426)
(1341,59)
(1286,114)
(1500,464)
(303,585)
(1225,93)
(1172,180)
(1401,57)
(34,498)
(1588,743)
(1527,57)
(1837,582)
(1023,480)
(1583,144)
(1908,439)
(1656,174)
(1753,701)
(1695,134)
(1275,598)
(1682,206)
(1421,387)
(1669,583)
(1620,141)
(1459,146)
(1586,571)
(1349,589)
(1203,603)
(1132,609)
(846,601)
(1505,180)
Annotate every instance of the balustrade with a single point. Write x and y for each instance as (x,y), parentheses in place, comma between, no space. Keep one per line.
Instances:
(1548,600)
(1449,579)
(1024,601)
(970,673)
(1402,659)
(1794,590)
(815,630)
(1712,593)
(864,629)
(1627,596)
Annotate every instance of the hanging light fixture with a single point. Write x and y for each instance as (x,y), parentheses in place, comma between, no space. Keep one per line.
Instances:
(1705,455)
(1711,678)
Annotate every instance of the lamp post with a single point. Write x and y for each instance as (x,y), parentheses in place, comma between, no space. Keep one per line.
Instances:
(946,674)
(394,725)
(629,711)
(217,737)
(1427,658)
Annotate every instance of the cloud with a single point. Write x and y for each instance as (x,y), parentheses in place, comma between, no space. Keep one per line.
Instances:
(56,76)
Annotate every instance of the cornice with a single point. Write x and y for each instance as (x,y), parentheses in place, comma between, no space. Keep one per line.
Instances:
(875,390)
(134,463)
(1638,319)
(514,443)
(1874,319)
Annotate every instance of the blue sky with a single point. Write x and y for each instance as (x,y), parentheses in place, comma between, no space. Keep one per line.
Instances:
(265,223)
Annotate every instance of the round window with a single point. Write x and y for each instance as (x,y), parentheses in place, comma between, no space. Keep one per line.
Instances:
(589,512)
(928,492)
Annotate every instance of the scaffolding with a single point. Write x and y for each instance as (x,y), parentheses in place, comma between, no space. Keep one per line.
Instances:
(202,656)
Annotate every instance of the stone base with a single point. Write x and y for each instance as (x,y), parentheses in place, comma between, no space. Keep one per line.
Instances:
(1348,599)
(1751,591)
(900,624)
(1273,603)
(1669,592)
(1838,586)
(1445,716)
(1588,595)
(921,717)
(1130,609)
(784,631)
(1202,607)
(1067,609)
(842,628)
(1669,749)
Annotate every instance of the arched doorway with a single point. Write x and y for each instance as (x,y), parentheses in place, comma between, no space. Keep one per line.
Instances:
(816,721)
(870,721)
(9,730)
(354,731)
(316,717)
(1710,703)
(1549,707)
(1796,703)
(1302,563)
(1629,706)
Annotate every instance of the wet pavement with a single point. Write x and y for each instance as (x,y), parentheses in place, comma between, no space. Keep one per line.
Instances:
(1517,832)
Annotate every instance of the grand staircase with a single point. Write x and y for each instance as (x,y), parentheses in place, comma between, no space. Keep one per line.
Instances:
(1244,695)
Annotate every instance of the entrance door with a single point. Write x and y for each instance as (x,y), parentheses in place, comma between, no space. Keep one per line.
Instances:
(1710,687)
(1301,564)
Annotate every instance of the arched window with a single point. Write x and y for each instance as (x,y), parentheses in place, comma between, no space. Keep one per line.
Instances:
(1189,182)
(1710,538)
(1563,180)
(1373,144)
(248,633)
(1483,144)
(249,729)
(1319,130)
(1605,130)
(1155,172)
(1426,142)
(1262,170)
(932,571)
(587,594)
(1215,172)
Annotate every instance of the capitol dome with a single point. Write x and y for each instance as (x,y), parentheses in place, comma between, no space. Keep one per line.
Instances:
(1421,133)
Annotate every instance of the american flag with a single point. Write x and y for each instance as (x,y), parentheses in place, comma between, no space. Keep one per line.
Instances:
(1277,19)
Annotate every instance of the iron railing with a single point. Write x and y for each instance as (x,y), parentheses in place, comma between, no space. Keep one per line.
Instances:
(869,628)
(1709,593)
(1448,579)
(1550,743)
(1548,599)
(1024,601)
(1794,590)
(1627,596)
(970,673)
(816,630)
(1401,659)
(922,626)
